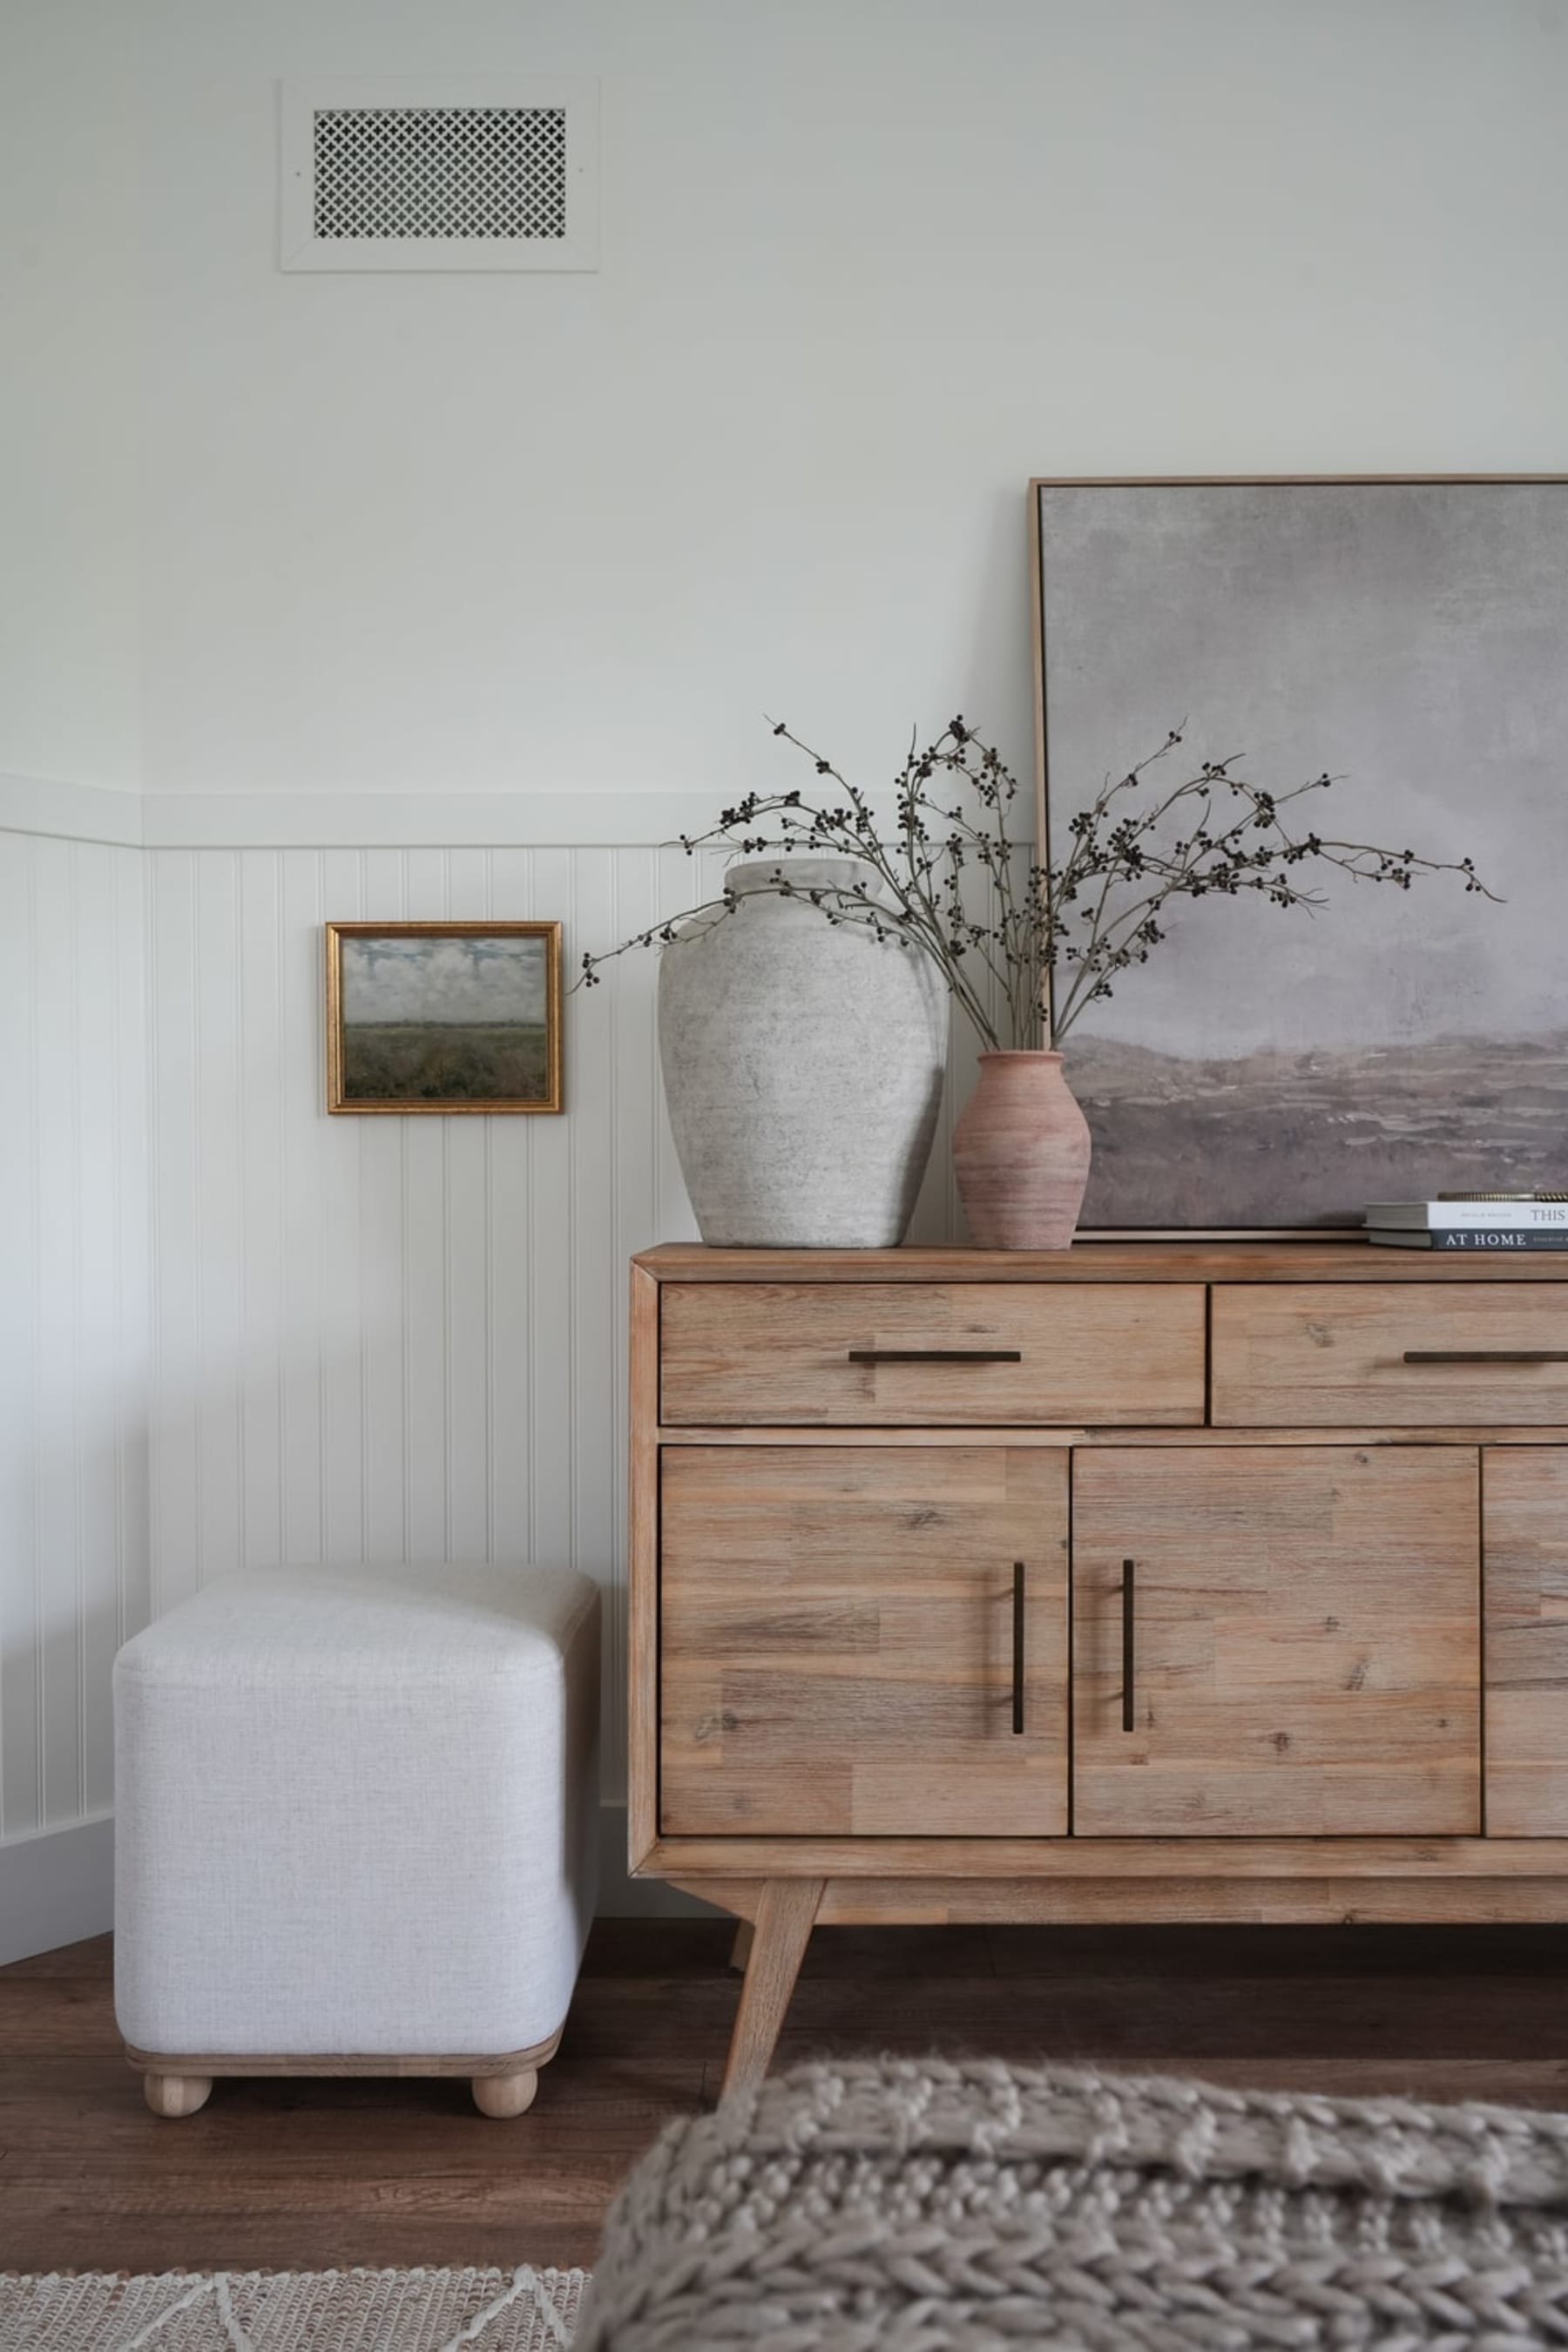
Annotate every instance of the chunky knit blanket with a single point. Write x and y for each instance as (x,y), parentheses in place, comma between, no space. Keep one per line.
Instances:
(897,2207)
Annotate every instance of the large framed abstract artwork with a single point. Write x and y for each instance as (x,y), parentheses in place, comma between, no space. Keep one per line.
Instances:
(1278,1068)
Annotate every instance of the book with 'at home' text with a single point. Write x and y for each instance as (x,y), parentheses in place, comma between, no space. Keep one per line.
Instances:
(1482,1239)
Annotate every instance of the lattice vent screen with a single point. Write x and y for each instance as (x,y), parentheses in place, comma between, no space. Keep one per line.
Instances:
(485,174)
(440,170)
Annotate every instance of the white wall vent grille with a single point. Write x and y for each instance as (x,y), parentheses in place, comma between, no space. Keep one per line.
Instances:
(382,174)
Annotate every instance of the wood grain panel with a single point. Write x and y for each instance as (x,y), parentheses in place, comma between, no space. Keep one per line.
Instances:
(1018,1860)
(1304,1900)
(781,1352)
(1525,1552)
(642,1696)
(836,1641)
(1307,1641)
(1151,1257)
(1062,1433)
(1315,1354)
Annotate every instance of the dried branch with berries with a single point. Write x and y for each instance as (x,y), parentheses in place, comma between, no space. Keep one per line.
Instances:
(1054,938)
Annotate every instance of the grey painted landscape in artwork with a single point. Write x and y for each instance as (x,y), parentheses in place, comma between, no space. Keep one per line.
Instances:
(1277,1067)
(457,1020)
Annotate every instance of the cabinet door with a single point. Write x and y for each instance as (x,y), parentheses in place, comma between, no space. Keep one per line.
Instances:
(1302,1646)
(843,1646)
(1525,1552)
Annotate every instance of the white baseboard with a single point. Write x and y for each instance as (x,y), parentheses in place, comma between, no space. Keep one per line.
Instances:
(56,1888)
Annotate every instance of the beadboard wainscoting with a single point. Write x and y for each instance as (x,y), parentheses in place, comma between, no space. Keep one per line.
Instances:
(399,1339)
(241,1331)
(393,1339)
(75,1318)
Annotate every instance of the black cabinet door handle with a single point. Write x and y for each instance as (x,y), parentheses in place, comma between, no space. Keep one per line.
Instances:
(1485,1355)
(1127,1635)
(936,1355)
(1017,1645)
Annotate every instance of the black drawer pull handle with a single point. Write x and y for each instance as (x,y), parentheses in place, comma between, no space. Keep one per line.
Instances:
(1127,1640)
(1485,1355)
(936,1355)
(1017,1645)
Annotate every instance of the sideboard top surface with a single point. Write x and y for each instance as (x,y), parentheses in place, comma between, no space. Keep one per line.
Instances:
(1341,1259)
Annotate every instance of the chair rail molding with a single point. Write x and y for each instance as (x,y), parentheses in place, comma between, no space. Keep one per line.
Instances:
(528,818)
(68,812)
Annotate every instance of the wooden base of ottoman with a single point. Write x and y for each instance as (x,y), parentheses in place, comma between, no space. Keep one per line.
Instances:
(502,2086)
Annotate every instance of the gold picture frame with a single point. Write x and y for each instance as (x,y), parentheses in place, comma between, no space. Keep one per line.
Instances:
(405,1060)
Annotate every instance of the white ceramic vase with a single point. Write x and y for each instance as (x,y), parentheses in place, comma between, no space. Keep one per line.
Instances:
(803,1064)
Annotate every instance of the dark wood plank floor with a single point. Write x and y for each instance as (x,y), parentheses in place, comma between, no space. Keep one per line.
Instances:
(315,2174)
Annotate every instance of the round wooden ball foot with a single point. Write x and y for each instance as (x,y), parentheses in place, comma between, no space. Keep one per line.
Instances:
(505,2095)
(177,2095)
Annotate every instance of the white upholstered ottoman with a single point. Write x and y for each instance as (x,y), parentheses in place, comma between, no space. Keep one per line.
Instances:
(356,1827)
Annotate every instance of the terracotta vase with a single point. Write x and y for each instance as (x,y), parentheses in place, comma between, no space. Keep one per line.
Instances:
(1020,1153)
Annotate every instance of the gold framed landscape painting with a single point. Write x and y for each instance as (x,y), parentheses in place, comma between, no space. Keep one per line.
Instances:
(443,1017)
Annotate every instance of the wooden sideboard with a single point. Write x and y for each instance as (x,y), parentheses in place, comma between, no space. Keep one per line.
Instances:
(1140,1581)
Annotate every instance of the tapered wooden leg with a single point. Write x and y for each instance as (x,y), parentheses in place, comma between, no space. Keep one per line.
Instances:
(785,1910)
(505,2095)
(740,1949)
(177,2095)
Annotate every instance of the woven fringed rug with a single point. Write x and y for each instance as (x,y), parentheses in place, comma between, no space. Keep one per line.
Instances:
(293,2311)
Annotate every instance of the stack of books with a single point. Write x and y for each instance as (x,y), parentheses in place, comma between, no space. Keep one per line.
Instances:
(1472,1220)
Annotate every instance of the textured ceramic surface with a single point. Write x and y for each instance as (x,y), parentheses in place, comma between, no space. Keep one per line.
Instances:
(1021,1153)
(803,1066)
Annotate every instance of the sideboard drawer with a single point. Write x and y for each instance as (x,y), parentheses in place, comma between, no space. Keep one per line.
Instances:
(905,1354)
(1319,1355)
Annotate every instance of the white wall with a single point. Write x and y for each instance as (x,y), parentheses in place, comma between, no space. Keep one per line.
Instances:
(866,265)
(71,391)
(320,562)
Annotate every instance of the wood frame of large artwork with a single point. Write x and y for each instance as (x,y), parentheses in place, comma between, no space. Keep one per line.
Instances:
(1216,1226)
(416,1099)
